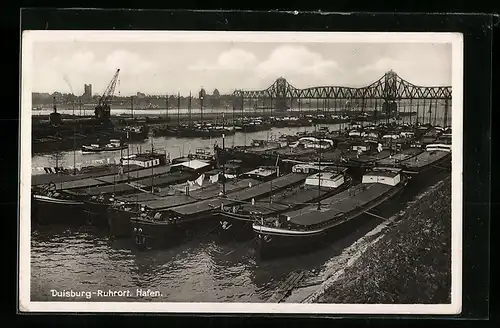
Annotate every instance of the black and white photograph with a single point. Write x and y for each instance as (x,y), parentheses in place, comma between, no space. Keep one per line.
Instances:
(241,172)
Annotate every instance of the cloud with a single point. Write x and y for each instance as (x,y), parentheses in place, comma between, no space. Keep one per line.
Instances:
(129,63)
(291,62)
(234,59)
(383,65)
(295,61)
(70,73)
(420,70)
(161,69)
(77,62)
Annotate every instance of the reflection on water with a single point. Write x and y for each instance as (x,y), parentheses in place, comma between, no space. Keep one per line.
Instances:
(176,147)
(203,270)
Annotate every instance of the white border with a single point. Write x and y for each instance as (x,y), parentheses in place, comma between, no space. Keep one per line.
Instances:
(29,37)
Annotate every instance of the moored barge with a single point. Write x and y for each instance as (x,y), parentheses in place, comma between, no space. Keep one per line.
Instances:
(321,182)
(300,229)
(97,200)
(53,197)
(124,208)
(177,222)
(436,156)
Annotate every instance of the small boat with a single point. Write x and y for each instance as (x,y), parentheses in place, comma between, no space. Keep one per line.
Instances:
(135,133)
(299,229)
(113,145)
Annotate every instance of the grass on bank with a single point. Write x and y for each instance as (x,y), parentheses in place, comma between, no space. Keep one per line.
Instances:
(411,264)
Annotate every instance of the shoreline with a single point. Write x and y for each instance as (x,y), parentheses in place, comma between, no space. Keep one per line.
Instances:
(410,264)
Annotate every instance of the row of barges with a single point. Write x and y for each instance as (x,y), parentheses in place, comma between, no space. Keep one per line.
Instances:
(212,129)
(283,193)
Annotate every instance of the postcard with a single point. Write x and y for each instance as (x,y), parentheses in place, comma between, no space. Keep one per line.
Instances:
(241,172)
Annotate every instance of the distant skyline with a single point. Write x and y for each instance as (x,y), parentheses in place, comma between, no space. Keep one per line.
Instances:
(168,68)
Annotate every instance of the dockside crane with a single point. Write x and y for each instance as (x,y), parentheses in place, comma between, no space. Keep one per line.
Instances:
(103,109)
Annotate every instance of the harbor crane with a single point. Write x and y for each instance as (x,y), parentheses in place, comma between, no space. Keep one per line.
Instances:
(103,108)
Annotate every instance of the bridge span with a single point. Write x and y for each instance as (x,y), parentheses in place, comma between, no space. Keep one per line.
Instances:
(389,95)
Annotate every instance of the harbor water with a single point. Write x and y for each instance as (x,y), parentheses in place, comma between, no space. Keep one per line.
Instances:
(174,147)
(85,261)
(202,270)
(205,269)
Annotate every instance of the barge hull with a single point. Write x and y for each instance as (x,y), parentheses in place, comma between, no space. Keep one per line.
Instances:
(47,210)
(272,242)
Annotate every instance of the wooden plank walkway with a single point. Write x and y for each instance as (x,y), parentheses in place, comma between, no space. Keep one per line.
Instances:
(286,287)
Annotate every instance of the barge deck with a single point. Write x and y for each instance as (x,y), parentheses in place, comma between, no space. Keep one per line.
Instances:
(233,198)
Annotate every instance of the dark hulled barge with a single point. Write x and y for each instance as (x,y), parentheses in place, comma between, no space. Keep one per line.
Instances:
(50,199)
(436,156)
(127,207)
(97,200)
(312,225)
(177,222)
(326,181)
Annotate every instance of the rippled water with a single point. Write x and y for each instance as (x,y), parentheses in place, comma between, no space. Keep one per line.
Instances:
(203,270)
(176,147)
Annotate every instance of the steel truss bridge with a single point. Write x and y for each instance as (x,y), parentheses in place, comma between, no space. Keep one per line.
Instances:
(390,93)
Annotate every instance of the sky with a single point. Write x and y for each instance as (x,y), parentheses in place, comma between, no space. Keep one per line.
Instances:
(169,68)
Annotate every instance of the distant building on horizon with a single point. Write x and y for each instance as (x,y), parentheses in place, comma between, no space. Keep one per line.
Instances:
(87,95)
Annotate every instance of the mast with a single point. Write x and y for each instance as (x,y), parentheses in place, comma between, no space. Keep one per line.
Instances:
(74,141)
(430,112)
(201,104)
(319,178)
(114,179)
(189,108)
(232,118)
(166,106)
(435,113)
(128,160)
(121,149)
(152,168)
(242,110)
(178,109)
(132,105)
(271,182)
(223,158)
(245,135)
